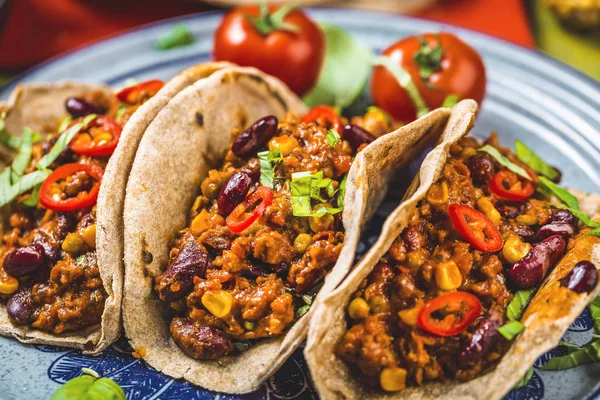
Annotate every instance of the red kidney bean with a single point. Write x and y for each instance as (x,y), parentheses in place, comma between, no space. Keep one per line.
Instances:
(559,228)
(178,280)
(482,168)
(508,211)
(483,340)
(543,256)
(199,341)
(254,271)
(25,261)
(558,176)
(233,192)
(255,137)
(582,278)
(20,307)
(357,135)
(565,216)
(80,107)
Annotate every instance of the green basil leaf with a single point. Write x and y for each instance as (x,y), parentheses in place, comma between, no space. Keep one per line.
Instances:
(268,160)
(511,329)
(345,70)
(505,162)
(517,305)
(23,157)
(594,308)
(561,194)
(333,137)
(179,36)
(589,353)
(342,191)
(523,381)
(527,156)
(33,199)
(61,144)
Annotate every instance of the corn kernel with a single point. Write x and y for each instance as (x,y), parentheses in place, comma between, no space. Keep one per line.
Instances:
(416,258)
(515,249)
(467,152)
(438,194)
(285,144)
(89,236)
(8,284)
(485,206)
(409,316)
(103,138)
(448,276)
(527,219)
(302,242)
(200,223)
(358,308)
(249,325)
(218,302)
(73,243)
(393,379)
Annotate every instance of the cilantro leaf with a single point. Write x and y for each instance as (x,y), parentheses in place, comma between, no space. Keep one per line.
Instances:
(511,329)
(526,155)
(505,162)
(179,36)
(268,160)
(333,137)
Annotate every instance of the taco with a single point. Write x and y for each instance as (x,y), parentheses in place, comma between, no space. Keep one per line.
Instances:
(218,286)
(61,277)
(474,276)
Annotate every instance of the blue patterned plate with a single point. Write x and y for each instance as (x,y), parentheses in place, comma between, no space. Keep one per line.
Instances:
(549,106)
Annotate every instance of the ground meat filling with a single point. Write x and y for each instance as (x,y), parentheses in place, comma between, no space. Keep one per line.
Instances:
(226,288)
(65,292)
(385,344)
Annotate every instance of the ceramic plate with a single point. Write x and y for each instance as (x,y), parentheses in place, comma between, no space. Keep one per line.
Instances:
(549,106)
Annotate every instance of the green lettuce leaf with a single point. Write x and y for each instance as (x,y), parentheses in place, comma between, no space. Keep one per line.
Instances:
(526,155)
(505,162)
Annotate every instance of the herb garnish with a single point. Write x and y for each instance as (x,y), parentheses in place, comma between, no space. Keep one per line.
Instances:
(89,386)
(11,141)
(428,58)
(527,156)
(450,101)
(523,381)
(511,329)
(333,137)
(306,186)
(266,22)
(179,36)
(505,162)
(514,312)
(269,160)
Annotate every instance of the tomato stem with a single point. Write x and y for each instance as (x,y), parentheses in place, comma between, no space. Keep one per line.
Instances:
(266,23)
(428,58)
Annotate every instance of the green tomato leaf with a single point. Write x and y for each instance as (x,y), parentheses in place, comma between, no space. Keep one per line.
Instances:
(587,354)
(345,70)
(511,329)
(505,162)
(561,194)
(517,305)
(523,381)
(428,58)
(179,36)
(526,155)
(333,137)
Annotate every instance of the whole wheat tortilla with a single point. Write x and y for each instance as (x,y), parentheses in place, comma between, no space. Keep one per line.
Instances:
(165,178)
(547,317)
(40,106)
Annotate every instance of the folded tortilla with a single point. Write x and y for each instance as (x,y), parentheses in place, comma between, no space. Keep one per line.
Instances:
(39,107)
(173,158)
(547,317)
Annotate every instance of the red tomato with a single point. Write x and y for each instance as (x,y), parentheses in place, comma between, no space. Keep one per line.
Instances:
(293,57)
(475,228)
(510,186)
(48,198)
(458,309)
(460,72)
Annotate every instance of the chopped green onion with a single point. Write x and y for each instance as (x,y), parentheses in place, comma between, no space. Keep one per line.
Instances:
(269,160)
(526,155)
(517,305)
(492,151)
(333,137)
(511,329)
(179,36)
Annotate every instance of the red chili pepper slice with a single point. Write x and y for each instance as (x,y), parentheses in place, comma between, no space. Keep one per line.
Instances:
(458,311)
(132,94)
(97,142)
(48,198)
(510,186)
(475,228)
(240,218)
(325,116)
